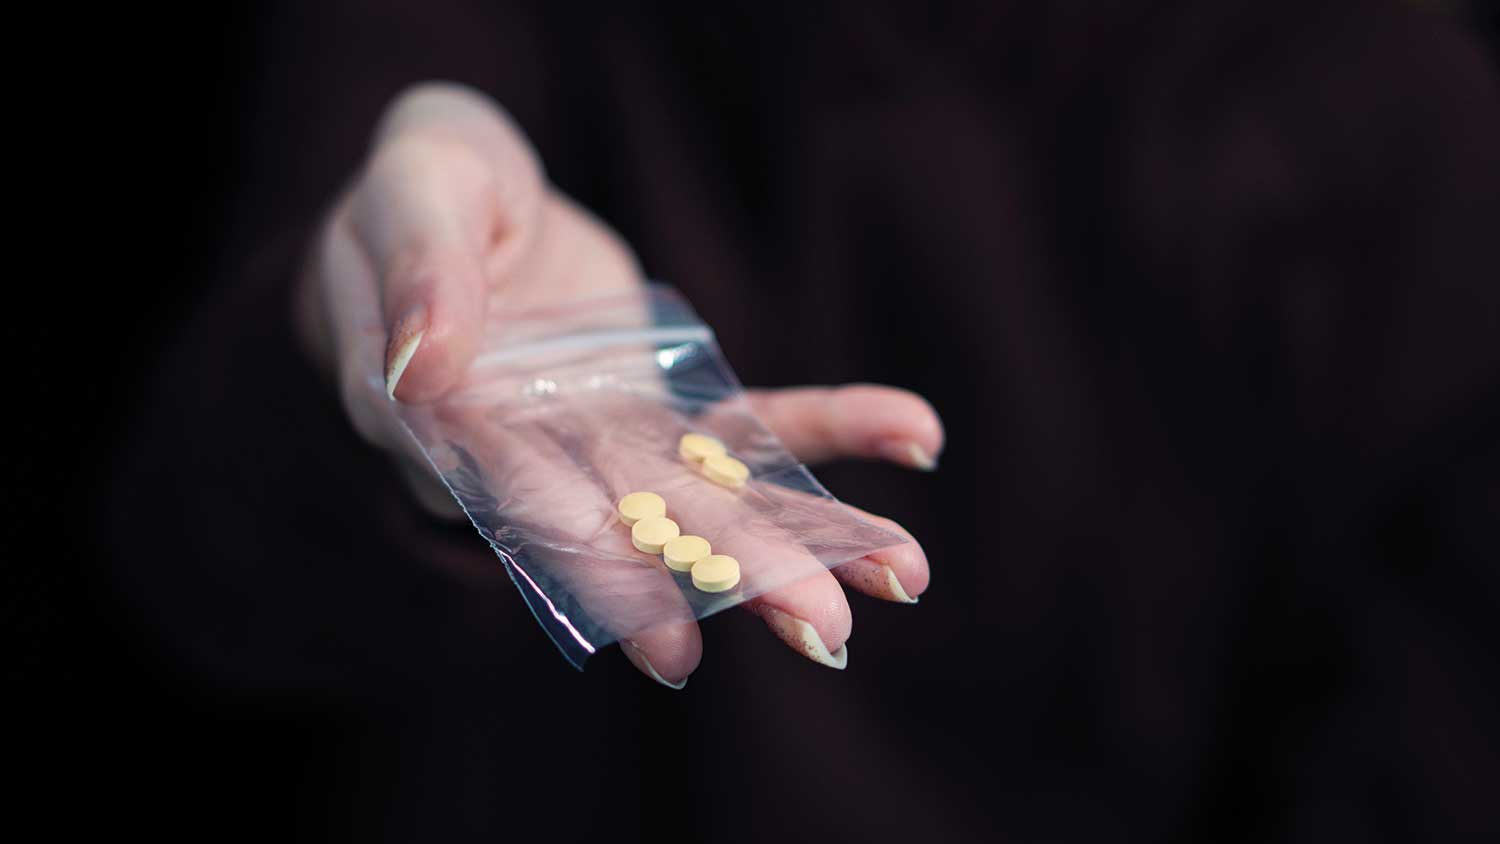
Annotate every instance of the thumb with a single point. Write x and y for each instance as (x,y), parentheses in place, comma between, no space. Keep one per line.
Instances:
(432,288)
(445,191)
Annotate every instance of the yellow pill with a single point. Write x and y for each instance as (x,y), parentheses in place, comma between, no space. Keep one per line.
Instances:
(640,505)
(651,533)
(697,447)
(725,470)
(682,552)
(716,573)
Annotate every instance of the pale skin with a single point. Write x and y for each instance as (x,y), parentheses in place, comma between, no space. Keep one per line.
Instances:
(452,215)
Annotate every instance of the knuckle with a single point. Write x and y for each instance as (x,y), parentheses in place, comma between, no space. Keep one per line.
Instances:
(440,116)
(428,156)
(418,98)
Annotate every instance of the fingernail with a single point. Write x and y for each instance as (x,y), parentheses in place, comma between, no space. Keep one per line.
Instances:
(803,638)
(874,579)
(919,458)
(910,454)
(893,587)
(638,657)
(404,342)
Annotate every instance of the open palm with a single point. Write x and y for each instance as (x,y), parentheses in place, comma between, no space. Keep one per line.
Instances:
(450,226)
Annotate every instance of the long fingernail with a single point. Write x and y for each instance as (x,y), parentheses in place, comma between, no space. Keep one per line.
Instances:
(877,580)
(910,454)
(404,342)
(893,587)
(803,638)
(638,657)
(920,458)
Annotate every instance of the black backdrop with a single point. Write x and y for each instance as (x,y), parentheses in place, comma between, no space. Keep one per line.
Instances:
(158,124)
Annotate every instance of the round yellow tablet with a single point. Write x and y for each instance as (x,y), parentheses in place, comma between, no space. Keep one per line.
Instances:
(696,447)
(725,470)
(716,573)
(651,533)
(640,505)
(682,552)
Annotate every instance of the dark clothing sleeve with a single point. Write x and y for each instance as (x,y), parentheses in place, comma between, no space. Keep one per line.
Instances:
(1206,296)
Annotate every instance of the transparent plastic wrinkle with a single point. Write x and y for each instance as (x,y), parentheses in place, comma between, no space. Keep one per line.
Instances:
(566,410)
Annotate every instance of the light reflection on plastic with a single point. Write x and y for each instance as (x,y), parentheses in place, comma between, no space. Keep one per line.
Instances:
(551,607)
(541,387)
(669,357)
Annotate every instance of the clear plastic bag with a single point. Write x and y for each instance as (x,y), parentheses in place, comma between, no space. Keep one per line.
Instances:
(569,408)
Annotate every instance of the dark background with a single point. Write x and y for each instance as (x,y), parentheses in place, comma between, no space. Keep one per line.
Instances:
(122,734)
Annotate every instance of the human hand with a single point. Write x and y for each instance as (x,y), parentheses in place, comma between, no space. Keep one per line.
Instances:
(451,219)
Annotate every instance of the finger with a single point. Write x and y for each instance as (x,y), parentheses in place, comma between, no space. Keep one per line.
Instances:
(896,572)
(667,653)
(427,257)
(859,420)
(811,616)
(570,518)
(583,552)
(450,187)
(352,309)
(899,573)
(797,598)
